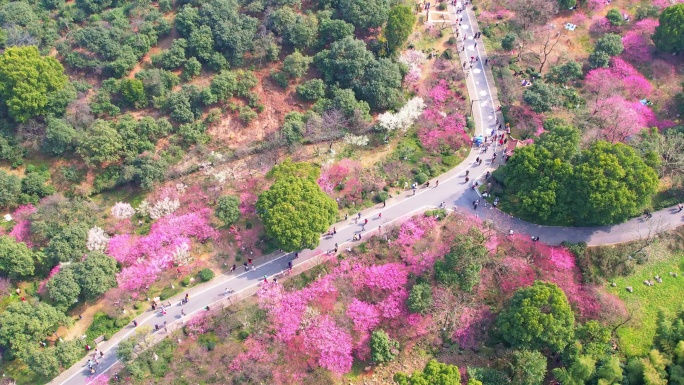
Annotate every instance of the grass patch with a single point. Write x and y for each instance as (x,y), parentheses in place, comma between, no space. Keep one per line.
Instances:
(104,325)
(643,304)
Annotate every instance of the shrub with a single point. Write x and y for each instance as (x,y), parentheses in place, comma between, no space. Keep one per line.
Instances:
(615,17)
(312,90)
(280,78)
(420,299)
(383,348)
(186,281)
(421,178)
(381,196)
(247,114)
(508,42)
(206,274)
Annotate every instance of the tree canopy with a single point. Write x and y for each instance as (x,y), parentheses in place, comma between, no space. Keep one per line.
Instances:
(669,34)
(552,182)
(295,211)
(228,209)
(24,324)
(365,14)
(538,317)
(16,259)
(399,26)
(27,80)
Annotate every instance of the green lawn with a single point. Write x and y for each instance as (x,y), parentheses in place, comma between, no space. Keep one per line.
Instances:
(644,303)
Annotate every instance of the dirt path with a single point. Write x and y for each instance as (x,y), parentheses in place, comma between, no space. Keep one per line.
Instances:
(80,326)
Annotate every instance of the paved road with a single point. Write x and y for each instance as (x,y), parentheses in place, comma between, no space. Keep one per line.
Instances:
(452,190)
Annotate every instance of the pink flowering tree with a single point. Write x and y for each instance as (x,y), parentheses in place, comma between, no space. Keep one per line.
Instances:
(145,258)
(22,229)
(619,119)
(440,132)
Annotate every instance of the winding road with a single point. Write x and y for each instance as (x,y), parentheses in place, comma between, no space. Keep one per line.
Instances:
(452,190)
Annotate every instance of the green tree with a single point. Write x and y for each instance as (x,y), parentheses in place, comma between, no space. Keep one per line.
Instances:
(296,64)
(462,265)
(192,68)
(25,323)
(610,371)
(610,43)
(311,90)
(16,259)
(302,34)
(100,144)
(42,361)
(568,71)
(133,92)
(365,14)
(27,81)
(60,137)
(669,34)
(345,62)
(508,42)
(434,373)
(611,183)
(383,348)
(293,128)
(331,30)
(599,59)
(10,188)
(399,26)
(579,372)
(70,352)
(173,57)
(295,211)
(96,274)
(381,87)
(538,317)
(542,97)
(528,368)
(201,43)
(34,187)
(538,177)
(615,17)
(420,298)
(67,245)
(63,288)
(227,209)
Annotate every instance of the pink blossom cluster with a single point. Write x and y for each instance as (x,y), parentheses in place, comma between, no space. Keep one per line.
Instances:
(440,131)
(378,295)
(255,351)
(336,174)
(637,41)
(525,119)
(51,274)
(144,258)
(332,344)
(497,15)
(22,229)
(197,325)
(413,233)
(517,273)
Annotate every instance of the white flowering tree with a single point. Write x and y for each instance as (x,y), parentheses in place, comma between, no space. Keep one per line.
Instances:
(97,239)
(164,207)
(122,210)
(356,140)
(181,256)
(404,118)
